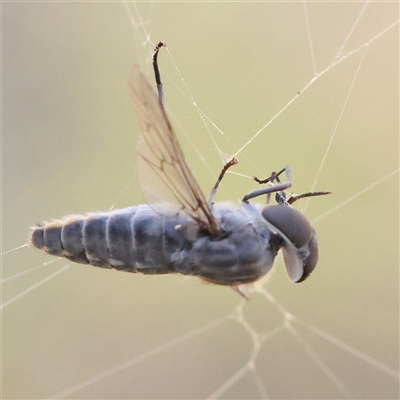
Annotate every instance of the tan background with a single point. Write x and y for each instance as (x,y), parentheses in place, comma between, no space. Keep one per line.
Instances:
(69,137)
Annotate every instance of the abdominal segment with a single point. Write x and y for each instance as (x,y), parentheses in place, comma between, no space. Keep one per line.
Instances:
(133,239)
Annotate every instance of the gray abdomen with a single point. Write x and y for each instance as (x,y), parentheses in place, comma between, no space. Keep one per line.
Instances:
(135,239)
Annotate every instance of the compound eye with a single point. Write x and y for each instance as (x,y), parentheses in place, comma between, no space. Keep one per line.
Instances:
(300,249)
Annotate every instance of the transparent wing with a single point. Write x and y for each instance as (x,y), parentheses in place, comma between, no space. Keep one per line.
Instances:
(164,175)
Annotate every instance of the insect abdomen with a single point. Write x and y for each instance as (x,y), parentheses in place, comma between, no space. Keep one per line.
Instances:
(134,239)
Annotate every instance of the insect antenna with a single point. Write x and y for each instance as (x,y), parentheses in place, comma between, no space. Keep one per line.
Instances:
(294,197)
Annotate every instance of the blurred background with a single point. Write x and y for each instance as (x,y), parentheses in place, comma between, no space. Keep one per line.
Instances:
(69,138)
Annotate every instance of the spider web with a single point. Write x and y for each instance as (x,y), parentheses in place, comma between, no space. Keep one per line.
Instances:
(312,85)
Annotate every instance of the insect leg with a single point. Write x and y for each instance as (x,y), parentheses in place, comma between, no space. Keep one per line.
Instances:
(242,290)
(274,176)
(225,168)
(281,195)
(273,188)
(157,74)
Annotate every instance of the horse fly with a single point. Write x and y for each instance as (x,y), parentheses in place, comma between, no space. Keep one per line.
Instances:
(179,231)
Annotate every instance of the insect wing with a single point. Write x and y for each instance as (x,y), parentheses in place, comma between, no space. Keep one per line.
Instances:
(164,175)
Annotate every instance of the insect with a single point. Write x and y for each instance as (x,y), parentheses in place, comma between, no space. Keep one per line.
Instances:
(180,231)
